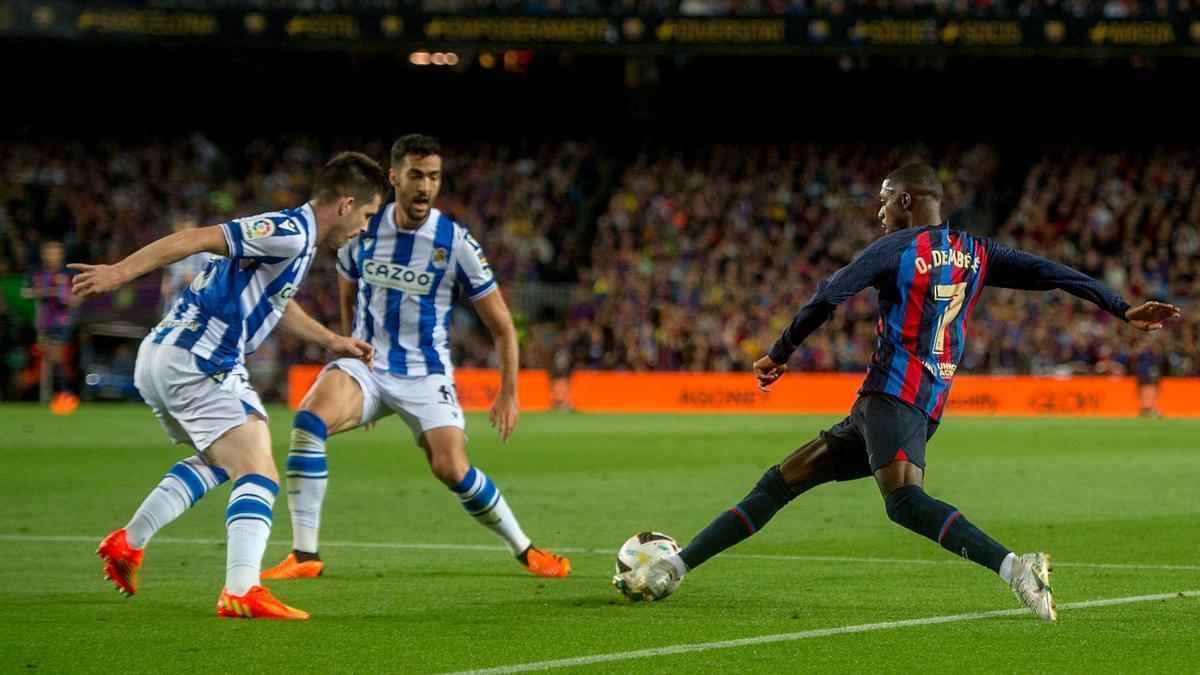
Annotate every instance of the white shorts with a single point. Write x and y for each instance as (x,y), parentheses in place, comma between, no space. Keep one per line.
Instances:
(424,402)
(194,408)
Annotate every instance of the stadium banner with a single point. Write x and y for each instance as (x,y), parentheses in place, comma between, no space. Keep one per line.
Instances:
(379,30)
(476,387)
(805,393)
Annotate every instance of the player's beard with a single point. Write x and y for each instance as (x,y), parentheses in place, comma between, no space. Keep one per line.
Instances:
(410,209)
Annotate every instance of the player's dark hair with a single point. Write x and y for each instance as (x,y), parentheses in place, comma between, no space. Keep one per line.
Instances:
(351,174)
(917,178)
(417,145)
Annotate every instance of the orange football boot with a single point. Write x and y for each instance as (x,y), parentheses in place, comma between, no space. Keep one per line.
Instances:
(257,603)
(291,568)
(121,562)
(545,563)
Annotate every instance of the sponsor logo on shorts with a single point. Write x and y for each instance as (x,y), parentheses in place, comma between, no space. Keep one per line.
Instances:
(179,323)
(400,277)
(257,229)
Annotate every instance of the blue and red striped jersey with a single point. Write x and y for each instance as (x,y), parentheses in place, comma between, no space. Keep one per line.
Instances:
(929,279)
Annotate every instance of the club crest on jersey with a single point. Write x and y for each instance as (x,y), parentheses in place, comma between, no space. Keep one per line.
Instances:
(441,258)
(257,229)
(400,277)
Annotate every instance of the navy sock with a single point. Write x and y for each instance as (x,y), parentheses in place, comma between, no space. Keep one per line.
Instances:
(911,507)
(744,519)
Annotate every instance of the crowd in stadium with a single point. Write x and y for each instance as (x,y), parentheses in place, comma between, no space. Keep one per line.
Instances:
(667,260)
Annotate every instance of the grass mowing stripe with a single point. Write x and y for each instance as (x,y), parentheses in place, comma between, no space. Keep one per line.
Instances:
(596,551)
(809,634)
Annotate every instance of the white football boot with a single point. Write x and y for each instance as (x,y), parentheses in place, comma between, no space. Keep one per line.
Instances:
(1031,583)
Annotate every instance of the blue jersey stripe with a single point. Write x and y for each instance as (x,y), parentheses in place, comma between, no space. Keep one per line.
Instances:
(365,251)
(402,255)
(443,238)
(895,319)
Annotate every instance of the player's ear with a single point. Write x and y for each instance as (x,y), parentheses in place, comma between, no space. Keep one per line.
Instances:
(393,177)
(346,205)
(906,201)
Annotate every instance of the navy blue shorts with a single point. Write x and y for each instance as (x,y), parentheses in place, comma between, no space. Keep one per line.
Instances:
(879,430)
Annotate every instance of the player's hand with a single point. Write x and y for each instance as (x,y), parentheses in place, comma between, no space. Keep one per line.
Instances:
(353,348)
(504,414)
(369,425)
(1151,315)
(95,280)
(767,371)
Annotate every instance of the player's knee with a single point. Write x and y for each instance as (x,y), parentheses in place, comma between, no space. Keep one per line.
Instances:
(901,503)
(448,469)
(252,465)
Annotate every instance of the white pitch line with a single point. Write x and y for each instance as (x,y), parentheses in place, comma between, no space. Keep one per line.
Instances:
(398,545)
(808,634)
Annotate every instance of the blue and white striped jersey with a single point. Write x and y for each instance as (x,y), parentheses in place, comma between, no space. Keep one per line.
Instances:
(408,281)
(231,307)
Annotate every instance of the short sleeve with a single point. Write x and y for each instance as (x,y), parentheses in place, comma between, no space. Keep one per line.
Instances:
(270,237)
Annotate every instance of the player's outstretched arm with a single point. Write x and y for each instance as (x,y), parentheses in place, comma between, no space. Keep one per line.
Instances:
(767,371)
(298,322)
(1014,268)
(94,280)
(347,297)
(494,312)
(876,262)
(1150,315)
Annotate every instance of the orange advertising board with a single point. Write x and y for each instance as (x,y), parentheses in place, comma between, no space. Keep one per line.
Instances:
(818,393)
(835,393)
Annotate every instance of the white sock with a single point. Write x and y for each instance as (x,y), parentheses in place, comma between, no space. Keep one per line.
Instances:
(1006,567)
(677,562)
(178,491)
(248,523)
(307,477)
(482,499)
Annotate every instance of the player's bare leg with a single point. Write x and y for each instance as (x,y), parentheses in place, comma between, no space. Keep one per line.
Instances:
(445,448)
(901,482)
(333,405)
(244,452)
(808,466)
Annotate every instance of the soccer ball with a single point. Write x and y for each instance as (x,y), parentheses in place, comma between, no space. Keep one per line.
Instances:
(644,548)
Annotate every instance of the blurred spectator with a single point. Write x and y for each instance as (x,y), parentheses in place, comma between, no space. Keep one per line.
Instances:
(49,286)
(1147,366)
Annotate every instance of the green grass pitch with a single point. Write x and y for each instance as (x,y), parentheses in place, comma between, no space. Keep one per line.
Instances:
(413,585)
